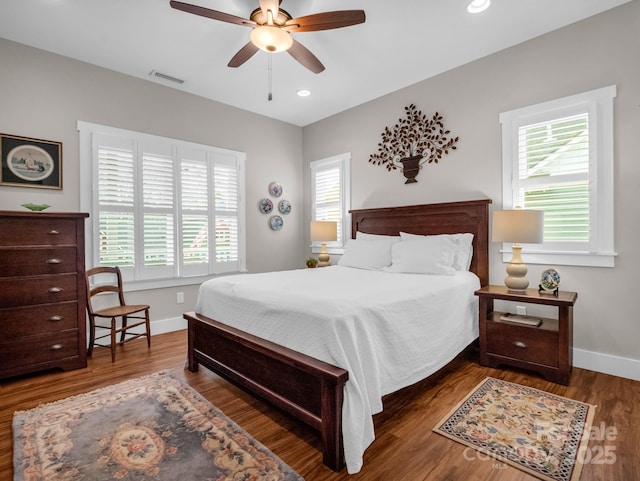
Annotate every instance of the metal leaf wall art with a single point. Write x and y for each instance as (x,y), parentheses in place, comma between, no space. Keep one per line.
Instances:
(412,142)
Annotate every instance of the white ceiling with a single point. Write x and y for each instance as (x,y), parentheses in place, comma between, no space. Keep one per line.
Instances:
(401,43)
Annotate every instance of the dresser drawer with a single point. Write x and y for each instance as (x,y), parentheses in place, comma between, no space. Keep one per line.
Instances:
(39,349)
(26,291)
(523,343)
(19,322)
(16,231)
(37,260)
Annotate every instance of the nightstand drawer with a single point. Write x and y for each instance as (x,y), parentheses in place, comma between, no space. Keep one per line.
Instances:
(524,343)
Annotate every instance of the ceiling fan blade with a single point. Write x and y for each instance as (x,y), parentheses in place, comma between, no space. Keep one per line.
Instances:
(266,5)
(244,54)
(214,14)
(305,57)
(326,21)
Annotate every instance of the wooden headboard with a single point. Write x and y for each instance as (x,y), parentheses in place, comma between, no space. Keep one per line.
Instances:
(429,219)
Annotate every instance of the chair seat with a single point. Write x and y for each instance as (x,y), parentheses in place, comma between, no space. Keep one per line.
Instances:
(118,311)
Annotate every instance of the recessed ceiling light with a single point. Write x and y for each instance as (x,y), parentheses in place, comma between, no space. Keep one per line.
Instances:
(477,6)
(304,92)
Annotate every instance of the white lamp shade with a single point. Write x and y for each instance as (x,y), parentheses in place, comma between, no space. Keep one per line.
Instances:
(519,226)
(324,231)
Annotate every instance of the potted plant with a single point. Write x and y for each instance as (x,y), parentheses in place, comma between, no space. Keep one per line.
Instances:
(312,262)
(413,141)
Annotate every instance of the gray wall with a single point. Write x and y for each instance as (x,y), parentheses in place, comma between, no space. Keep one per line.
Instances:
(596,52)
(43,95)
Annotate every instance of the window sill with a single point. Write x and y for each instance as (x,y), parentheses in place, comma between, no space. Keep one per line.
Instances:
(132,286)
(558,258)
(330,250)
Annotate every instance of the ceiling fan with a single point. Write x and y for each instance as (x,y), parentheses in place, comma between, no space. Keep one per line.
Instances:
(272,29)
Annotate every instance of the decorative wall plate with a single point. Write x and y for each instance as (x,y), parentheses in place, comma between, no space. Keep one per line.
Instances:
(275,189)
(550,279)
(266,206)
(284,206)
(276,222)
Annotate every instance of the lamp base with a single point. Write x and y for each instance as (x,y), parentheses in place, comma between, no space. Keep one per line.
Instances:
(323,258)
(516,280)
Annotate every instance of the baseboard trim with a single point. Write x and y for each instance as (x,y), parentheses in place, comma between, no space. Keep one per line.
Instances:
(607,363)
(160,326)
(168,325)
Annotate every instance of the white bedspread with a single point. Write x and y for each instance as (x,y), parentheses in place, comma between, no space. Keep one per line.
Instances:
(388,330)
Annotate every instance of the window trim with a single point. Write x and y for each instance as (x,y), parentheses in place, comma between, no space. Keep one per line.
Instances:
(599,104)
(343,161)
(88,185)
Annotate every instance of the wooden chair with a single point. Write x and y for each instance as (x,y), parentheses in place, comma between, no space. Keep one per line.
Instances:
(121,310)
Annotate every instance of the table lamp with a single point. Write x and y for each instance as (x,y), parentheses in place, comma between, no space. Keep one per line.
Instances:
(324,231)
(518,225)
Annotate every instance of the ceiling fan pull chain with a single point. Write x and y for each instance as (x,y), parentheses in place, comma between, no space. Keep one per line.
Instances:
(269,79)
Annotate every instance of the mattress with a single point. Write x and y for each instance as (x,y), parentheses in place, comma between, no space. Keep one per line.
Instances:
(388,330)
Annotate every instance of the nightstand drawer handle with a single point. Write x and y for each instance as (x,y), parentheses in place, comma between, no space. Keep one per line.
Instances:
(53,261)
(55,318)
(53,232)
(56,347)
(519,344)
(55,290)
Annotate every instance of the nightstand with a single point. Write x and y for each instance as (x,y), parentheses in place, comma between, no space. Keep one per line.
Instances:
(546,349)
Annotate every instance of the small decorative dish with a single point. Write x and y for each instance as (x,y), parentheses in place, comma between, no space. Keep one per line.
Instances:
(276,222)
(266,206)
(36,207)
(550,280)
(275,189)
(284,206)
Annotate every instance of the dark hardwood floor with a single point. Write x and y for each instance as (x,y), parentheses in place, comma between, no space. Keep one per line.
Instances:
(405,449)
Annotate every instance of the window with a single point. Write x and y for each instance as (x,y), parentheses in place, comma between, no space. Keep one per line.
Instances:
(330,197)
(558,157)
(165,211)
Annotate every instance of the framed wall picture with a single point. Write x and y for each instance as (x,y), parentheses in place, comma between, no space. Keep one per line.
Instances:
(28,162)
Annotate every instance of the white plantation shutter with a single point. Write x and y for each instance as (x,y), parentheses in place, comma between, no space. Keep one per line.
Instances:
(226,215)
(558,158)
(116,198)
(330,194)
(553,176)
(157,200)
(158,228)
(195,217)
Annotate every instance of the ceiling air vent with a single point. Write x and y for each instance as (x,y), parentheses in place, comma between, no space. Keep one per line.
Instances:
(164,76)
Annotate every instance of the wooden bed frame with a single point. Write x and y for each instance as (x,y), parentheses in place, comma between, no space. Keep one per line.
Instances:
(306,388)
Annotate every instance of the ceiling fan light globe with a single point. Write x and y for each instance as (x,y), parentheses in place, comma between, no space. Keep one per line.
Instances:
(271,39)
(477,6)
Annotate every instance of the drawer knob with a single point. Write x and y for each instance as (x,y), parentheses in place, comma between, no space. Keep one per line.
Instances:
(53,261)
(56,347)
(55,290)
(519,344)
(55,318)
(53,232)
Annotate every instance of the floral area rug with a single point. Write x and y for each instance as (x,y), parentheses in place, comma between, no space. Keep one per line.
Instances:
(541,433)
(154,427)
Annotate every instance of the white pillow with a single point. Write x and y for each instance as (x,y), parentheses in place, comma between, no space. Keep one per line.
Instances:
(464,247)
(429,255)
(366,254)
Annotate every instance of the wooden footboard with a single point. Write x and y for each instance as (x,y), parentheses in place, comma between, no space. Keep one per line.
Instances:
(308,389)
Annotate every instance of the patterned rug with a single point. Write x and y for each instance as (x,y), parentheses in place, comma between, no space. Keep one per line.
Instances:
(154,427)
(541,433)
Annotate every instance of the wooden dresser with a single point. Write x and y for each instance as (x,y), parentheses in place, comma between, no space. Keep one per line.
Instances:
(42,292)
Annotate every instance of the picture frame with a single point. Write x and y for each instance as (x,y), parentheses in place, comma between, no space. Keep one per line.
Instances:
(29,162)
